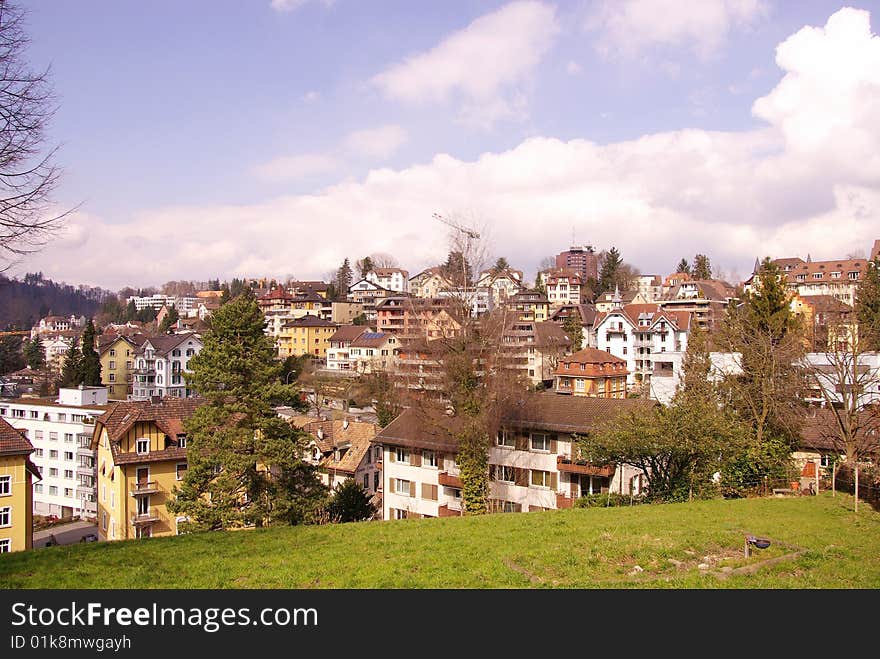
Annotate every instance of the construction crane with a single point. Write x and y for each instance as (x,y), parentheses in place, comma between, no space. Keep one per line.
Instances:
(470,233)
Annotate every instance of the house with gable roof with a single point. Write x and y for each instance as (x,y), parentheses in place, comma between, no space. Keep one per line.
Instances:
(161,363)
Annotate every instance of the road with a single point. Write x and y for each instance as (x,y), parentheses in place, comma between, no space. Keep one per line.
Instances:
(65,534)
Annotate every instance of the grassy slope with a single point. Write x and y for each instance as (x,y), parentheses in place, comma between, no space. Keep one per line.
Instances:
(596,548)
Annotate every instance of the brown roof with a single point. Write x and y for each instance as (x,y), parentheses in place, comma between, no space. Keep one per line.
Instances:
(818,431)
(586,312)
(371,340)
(875,250)
(348,333)
(309,321)
(13,441)
(357,435)
(548,334)
(825,268)
(432,429)
(168,414)
(592,356)
(165,343)
(173,453)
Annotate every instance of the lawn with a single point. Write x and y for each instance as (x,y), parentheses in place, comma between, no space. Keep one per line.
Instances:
(816,542)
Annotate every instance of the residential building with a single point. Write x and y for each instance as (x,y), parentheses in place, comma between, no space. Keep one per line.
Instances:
(826,321)
(60,431)
(582,259)
(141,458)
(338,354)
(414,317)
(564,286)
(368,294)
(705,299)
(586,315)
(637,333)
(875,250)
(344,313)
(56,324)
(832,373)
(17,474)
(117,353)
(183,304)
(650,287)
(429,283)
(667,372)
(56,346)
(308,335)
(342,449)
(373,351)
(501,284)
(300,287)
(418,368)
(392,279)
(532,350)
(530,306)
(610,299)
(838,278)
(673,280)
(161,364)
(591,372)
(474,301)
(535,463)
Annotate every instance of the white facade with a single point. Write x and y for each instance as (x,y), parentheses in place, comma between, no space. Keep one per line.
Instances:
(163,373)
(828,370)
(668,371)
(410,488)
(479,300)
(61,434)
(184,305)
(392,279)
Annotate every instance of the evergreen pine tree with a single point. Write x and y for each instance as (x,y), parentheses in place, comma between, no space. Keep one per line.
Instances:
(71,370)
(702,267)
(683,266)
(610,268)
(91,361)
(35,354)
(245,462)
(350,503)
(867,307)
(573,328)
(343,278)
(170,318)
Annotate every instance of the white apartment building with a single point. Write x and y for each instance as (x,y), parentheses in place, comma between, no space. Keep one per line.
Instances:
(60,430)
(535,463)
(183,304)
(53,324)
(668,372)
(479,300)
(161,364)
(640,332)
(393,279)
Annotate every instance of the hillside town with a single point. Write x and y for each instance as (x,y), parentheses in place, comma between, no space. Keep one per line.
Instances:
(97,426)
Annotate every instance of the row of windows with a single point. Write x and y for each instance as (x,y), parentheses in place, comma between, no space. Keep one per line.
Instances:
(53,490)
(53,454)
(537,441)
(35,414)
(53,436)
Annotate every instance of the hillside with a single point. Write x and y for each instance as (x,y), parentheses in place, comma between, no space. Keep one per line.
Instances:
(587,548)
(24,302)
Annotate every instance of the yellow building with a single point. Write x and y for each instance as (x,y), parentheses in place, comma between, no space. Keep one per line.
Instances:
(141,457)
(308,335)
(16,490)
(117,365)
(530,306)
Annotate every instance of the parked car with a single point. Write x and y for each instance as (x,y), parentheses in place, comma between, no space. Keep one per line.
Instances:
(89,537)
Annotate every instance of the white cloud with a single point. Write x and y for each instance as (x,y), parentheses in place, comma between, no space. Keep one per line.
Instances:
(379,142)
(311,96)
(298,166)
(484,67)
(572,68)
(628,27)
(293,5)
(809,181)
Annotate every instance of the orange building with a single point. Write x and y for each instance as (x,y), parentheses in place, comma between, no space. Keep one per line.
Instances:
(592,372)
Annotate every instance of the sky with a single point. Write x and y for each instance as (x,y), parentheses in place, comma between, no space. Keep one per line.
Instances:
(237,138)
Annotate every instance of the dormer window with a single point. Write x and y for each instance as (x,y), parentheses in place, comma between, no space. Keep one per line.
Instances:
(142,446)
(181,441)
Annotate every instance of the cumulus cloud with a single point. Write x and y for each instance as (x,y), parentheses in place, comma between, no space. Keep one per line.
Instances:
(296,167)
(628,27)
(807,181)
(484,67)
(380,142)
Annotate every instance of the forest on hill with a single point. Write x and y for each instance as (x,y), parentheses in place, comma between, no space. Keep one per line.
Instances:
(24,301)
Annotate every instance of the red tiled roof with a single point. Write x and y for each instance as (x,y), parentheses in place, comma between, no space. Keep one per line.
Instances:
(168,414)
(592,356)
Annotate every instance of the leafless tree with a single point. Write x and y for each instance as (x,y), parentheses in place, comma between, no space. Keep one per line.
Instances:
(28,173)
(846,379)
(383,260)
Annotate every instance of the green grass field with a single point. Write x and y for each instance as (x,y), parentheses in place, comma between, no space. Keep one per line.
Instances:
(818,542)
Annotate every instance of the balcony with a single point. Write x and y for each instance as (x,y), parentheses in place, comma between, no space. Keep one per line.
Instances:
(565,464)
(144,519)
(83,451)
(447,480)
(82,470)
(446,511)
(83,492)
(144,487)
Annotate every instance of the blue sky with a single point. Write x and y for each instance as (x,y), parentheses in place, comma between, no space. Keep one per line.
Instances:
(262,137)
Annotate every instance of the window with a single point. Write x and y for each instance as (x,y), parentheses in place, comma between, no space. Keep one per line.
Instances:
(6,516)
(505,439)
(38,488)
(68,437)
(401,455)
(53,471)
(35,414)
(143,446)
(68,455)
(540,442)
(402,487)
(5,486)
(366,481)
(68,491)
(817,275)
(112,366)
(835,275)
(53,455)
(112,377)
(510,507)
(38,452)
(504,474)
(104,521)
(399,514)
(18,413)
(62,417)
(540,478)
(112,500)
(376,480)
(5,546)
(68,473)
(53,491)
(429,459)
(180,470)
(53,436)
(38,434)
(181,441)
